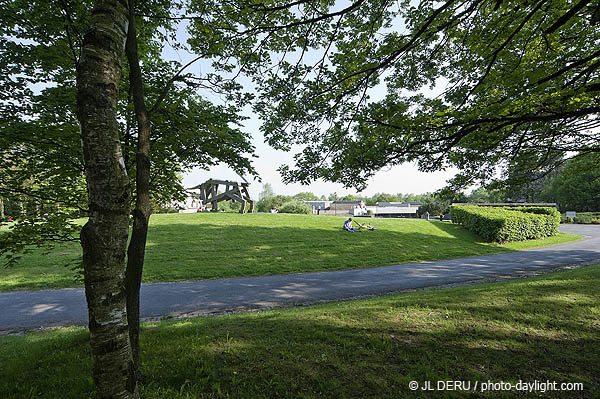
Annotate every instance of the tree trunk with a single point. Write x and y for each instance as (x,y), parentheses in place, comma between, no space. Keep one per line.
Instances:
(141,213)
(104,236)
(1,210)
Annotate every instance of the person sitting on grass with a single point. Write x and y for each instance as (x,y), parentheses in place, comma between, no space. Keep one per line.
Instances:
(366,226)
(348,226)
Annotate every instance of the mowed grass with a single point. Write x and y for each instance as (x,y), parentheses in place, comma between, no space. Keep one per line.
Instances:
(209,246)
(545,329)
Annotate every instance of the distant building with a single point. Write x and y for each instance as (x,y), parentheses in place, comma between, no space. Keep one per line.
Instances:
(354,208)
(358,208)
(341,208)
(319,205)
(191,204)
(397,209)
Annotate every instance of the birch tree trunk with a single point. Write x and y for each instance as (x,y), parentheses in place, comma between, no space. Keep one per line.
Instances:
(104,236)
(141,213)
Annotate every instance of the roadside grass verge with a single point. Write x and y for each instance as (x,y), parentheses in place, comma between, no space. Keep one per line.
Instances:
(209,246)
(544,328)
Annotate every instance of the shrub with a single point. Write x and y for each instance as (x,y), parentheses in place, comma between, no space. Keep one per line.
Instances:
(268,203)
(507,224)
(582,218)
(434,206)
(295,206)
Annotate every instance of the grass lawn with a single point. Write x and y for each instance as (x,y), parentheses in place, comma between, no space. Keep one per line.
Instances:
(209,246)
(545,328)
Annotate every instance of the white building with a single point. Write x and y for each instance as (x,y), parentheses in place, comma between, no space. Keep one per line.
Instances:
(358,208)
(397,209)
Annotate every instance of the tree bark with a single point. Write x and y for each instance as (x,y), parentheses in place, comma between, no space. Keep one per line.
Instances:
(142,211)
(104,236)
(1,210)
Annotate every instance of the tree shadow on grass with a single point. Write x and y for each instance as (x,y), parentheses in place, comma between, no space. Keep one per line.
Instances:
(373,348)
(206,251)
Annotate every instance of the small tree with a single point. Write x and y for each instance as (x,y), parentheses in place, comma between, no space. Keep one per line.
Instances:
(266,204)
(305,196)
(267,192)
(435,207)
(295,206)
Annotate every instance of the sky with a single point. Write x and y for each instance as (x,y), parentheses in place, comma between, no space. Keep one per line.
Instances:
(406,178)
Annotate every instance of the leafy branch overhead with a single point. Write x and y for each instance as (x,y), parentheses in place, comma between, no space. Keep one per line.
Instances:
(501,79)
(504,79)
(41,160)
(29,234)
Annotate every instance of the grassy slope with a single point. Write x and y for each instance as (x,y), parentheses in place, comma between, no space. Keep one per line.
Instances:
(546,328)
(207,246)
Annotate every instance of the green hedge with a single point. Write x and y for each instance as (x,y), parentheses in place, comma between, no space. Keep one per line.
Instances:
(507,224)
(295,206)
(582,218)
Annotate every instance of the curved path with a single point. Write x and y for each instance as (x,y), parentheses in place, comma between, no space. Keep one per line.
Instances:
(34,309)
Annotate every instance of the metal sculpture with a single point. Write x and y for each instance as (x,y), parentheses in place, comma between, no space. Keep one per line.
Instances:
(234,191)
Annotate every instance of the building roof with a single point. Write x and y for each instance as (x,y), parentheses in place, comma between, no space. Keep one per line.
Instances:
(395,210)
(402,204)
(516,204)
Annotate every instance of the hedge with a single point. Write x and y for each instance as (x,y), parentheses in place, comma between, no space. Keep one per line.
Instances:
(582,218)
(507,224)
(295,206)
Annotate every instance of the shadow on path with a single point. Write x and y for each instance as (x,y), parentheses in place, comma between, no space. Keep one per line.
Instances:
(23,310)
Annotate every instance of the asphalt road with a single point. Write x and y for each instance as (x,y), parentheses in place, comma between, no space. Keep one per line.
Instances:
(48,308)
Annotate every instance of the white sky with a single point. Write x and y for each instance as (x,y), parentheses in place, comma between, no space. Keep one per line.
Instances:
(399,179)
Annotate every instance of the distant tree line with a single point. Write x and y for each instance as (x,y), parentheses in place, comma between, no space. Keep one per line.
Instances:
(294,203)
(575,187)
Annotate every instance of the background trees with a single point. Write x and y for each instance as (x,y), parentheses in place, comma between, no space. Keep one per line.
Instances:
(521,82)
(434,206)
(577,186)
(41,161)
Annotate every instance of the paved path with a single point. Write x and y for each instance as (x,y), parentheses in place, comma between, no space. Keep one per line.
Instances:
(35,309)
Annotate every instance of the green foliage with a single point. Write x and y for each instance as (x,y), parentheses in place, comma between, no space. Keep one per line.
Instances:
(30,235)
(295,206)
(267,192)
(481,87)
(306,196)
(434,206)
(483,195)
(274,202)
(577,186)
(507,224)
(349,197)
(157,207)
(582,218)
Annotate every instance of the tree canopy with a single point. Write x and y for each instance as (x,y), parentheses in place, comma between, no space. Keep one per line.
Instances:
(41,159)
(473,84)
(511,83)
(577,186)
